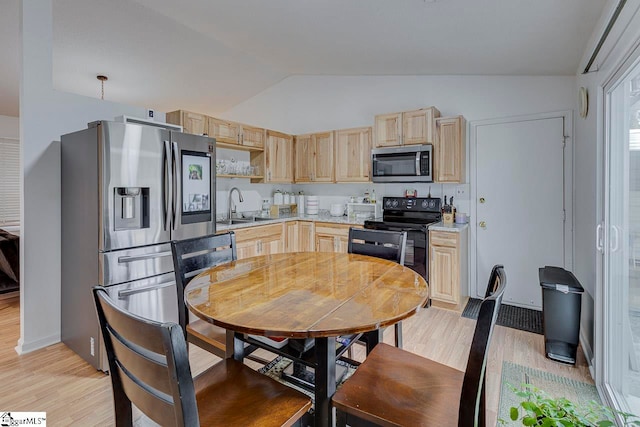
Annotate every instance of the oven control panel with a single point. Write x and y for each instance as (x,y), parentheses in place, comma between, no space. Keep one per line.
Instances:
(417,204)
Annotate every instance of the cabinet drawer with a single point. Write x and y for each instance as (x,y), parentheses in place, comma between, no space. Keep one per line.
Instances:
(260,232)
(339,230)
(444,238)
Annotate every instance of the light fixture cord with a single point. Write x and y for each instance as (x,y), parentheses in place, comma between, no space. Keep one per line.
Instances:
(102,93)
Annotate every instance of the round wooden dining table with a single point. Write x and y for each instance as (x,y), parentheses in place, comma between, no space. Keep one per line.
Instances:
(320,295)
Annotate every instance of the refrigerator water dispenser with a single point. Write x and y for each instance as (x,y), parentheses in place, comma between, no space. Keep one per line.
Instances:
(131,205)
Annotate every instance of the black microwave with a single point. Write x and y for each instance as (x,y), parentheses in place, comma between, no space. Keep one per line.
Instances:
(410,163)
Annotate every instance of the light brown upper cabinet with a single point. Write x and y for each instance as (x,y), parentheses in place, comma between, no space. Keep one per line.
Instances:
(251,136)
(224,131)
(278,157)
(449,150)
(406,128)
(191,122)
(353,155)
(314,157)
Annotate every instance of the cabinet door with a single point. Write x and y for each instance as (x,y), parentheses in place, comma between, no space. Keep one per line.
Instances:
(450,152)
(304,158)
(418,127)
(279,157)
(291,236)
(272,244)
(224,131)
(388,130)
(325,242)
(444,279)
(247,249)
(342,244)
(353,155)
(306,234)
(252,136)
(323,157)
(191,122)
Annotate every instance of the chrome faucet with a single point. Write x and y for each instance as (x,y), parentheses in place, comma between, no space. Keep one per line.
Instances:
(232,209)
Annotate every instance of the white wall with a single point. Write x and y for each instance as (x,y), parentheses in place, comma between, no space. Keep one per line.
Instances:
(45,114)
(9,127)
(302,104)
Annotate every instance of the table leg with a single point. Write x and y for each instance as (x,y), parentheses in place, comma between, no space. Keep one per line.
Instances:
(238,346)
(325,349)
(373,338)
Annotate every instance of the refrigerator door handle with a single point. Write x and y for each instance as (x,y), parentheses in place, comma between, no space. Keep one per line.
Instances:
(166,182)
(176,188)
(132,258)
(126,293)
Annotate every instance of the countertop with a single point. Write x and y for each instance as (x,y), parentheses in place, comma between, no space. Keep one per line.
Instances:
(454,228)
(322,217)
(326,217)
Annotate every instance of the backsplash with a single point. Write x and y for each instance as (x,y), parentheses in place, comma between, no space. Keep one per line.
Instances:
(328,193)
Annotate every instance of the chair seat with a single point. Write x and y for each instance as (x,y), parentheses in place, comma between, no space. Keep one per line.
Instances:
(210,337)
(232,394)
(398,388)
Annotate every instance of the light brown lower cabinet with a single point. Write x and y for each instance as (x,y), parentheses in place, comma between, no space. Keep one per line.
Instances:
(261,240)
(332,237)
(299,236)
(448,282)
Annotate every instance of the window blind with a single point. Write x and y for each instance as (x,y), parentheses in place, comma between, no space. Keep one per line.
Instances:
(9,181)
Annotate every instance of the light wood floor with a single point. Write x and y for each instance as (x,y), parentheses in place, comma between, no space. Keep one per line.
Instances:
(59,382)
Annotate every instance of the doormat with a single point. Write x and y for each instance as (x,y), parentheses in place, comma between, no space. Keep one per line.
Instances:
(276,367)
(555,386)
(510,316)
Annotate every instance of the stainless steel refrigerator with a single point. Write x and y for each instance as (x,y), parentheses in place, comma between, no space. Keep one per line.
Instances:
(127,191)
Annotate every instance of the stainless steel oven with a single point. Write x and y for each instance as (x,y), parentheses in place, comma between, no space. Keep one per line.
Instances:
(411,163)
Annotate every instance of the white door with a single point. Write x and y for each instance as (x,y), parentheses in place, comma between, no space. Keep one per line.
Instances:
(520,212)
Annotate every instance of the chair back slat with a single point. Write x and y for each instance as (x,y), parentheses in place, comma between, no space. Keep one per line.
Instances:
(472,401)
(148,365)
(390,245)
(192,256)
(157,406)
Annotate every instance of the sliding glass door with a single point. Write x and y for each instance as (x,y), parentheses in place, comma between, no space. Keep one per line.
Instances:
(620,243)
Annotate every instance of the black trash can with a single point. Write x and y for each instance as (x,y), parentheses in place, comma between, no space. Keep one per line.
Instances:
(561,303)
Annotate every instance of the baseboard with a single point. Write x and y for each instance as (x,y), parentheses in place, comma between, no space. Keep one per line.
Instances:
(588,353)
(24,348)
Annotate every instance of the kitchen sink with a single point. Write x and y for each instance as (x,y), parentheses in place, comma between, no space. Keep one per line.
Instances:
(242,220)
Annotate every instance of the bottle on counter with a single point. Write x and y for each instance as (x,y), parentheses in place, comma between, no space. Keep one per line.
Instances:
(366,196)
(372,198)
(301,203)
(286,199)
(278,198)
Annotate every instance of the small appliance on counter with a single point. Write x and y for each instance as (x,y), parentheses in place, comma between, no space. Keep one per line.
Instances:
(364,210)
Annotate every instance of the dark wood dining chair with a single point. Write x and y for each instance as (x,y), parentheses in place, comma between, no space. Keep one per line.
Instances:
(394,387)
(494,280)
(389,245)
(191,257)
(149,368)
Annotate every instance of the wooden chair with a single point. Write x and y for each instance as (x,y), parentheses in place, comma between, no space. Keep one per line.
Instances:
(395,387)
(149,367)
(191,257)
(390,245)
(494,280)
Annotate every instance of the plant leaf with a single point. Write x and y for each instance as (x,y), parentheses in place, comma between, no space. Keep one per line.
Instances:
(513,413)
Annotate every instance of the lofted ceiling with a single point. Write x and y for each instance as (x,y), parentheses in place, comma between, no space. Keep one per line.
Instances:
(209,56)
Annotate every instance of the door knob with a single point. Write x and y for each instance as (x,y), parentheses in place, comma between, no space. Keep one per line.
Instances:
(483,224)
(481,199)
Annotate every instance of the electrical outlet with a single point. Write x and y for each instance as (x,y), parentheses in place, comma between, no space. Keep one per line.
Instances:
(462,191)
(93,346)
